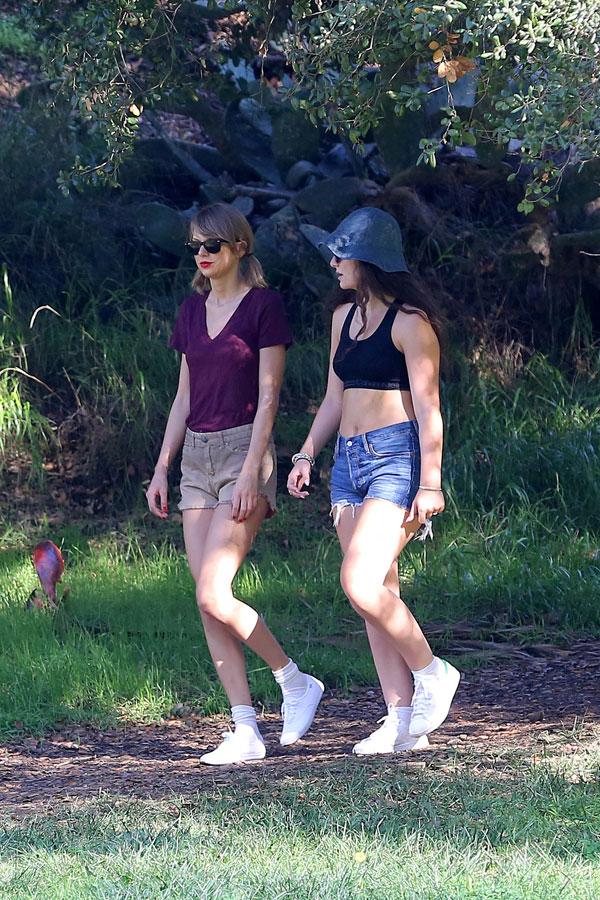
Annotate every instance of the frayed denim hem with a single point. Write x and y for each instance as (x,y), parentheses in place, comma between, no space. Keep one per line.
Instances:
(337,508)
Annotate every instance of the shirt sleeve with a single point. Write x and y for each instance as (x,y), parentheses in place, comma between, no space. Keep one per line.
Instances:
(179,337)
(273,326)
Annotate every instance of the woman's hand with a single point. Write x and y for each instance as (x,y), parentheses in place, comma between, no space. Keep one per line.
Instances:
(245,496)
(157,494)
(298,478)
(425,505)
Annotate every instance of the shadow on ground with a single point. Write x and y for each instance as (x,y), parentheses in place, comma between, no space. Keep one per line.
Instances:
(528,706)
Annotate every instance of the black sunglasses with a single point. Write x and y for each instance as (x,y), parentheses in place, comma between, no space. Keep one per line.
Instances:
(211,245)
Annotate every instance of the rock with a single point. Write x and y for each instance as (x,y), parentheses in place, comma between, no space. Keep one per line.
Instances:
(293,138)
(245,205)
(398,137)
(277,241)
(208,112)
(163,226)
(340,161)
(377,168)
(464,93)
(491,154)
(285,254)
(314,235)
(221,190)
(327,202)
(249,130)
(276,204)
(299,174)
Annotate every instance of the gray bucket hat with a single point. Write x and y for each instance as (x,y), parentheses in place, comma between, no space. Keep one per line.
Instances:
(368,234)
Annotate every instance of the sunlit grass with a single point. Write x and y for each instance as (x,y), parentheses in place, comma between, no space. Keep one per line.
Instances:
(127,642)
(517,544)
(357,829)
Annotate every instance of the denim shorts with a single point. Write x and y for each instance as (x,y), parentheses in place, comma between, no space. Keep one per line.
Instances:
(383,464)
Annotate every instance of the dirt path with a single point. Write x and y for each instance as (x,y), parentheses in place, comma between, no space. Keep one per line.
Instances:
(525,705)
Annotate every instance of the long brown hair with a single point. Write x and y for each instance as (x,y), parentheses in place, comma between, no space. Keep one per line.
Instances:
(219,220)
(409,293)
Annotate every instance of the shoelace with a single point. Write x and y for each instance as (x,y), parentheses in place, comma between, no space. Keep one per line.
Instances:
(290,705)
(388,724)
(421,696)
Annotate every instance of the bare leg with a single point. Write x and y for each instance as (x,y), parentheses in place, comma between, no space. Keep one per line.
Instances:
(394,675)
(377,538)
(224,647)
(216,547)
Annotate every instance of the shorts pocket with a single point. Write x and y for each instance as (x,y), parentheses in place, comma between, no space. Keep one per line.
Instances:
(383,446)
(237,446)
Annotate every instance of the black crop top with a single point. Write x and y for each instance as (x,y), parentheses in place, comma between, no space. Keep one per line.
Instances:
(372,362)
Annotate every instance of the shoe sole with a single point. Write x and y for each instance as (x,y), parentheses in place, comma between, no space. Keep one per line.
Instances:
(248,758)
(288,742)
(455,674)
(419,743)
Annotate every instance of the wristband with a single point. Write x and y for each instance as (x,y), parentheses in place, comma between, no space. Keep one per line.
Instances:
(298,456)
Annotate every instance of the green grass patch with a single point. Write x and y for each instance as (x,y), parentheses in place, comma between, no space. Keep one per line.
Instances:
(15,39)
(128,645)
(518,544)
(509,830)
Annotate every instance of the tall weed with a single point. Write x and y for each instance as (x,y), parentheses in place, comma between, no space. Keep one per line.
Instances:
(21,423)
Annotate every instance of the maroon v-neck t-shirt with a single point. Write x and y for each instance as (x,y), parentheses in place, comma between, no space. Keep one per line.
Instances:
(224,369)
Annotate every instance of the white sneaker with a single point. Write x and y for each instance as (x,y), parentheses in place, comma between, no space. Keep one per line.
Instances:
(432,698)
(392,737)
(299,713)
(236,746)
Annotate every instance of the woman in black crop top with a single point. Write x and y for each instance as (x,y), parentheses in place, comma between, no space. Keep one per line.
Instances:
(383,399)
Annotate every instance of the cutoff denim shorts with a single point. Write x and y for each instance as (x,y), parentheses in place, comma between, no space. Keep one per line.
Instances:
(211,464)
(383,464)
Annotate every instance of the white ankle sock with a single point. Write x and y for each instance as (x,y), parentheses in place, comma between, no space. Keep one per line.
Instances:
(435,667)
(401,713)
(291,680)
(244,717)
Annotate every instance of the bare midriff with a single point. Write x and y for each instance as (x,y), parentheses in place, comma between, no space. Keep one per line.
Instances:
(365,410)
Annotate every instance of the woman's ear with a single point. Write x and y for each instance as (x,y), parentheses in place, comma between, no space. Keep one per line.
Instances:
(241,249)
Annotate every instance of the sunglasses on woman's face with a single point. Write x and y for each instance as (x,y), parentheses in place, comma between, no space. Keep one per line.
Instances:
(211,245)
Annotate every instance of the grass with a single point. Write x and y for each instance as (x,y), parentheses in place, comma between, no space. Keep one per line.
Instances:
(15,40)
(500,827)
(517,546)
(128,645)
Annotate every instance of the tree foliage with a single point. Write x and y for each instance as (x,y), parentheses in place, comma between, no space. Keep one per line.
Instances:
(534,64)
(531,66)
(109,59)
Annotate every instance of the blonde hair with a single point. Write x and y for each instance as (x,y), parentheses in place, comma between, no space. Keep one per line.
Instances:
(219,220)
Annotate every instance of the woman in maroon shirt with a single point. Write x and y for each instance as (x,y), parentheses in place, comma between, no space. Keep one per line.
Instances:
(233,334)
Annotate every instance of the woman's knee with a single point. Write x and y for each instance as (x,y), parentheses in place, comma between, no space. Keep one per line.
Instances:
(358,586)
(211,599)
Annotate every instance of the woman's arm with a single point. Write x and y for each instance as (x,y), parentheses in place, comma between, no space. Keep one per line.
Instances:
(172,441)
(328,415)
(270,375)
(422,352)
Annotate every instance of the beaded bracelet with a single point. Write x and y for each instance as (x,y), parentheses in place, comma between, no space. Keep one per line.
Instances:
(309,459)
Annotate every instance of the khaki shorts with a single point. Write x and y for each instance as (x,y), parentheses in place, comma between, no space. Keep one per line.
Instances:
(212,462)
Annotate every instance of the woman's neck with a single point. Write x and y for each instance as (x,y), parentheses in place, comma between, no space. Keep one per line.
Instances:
(228,287)
(376,303)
